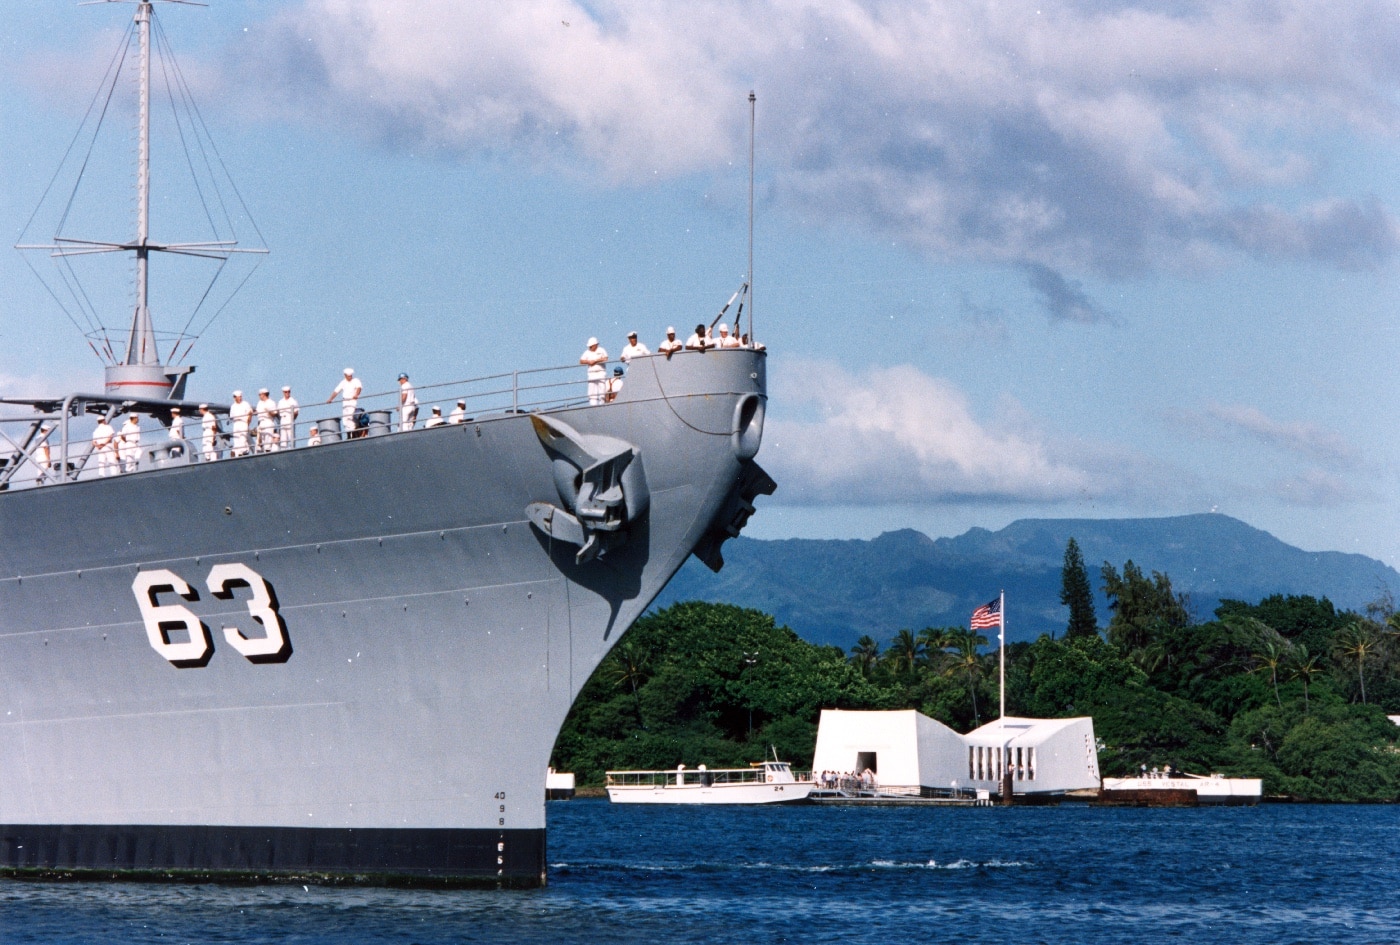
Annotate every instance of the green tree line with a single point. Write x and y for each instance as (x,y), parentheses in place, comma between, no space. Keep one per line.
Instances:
(1288,689)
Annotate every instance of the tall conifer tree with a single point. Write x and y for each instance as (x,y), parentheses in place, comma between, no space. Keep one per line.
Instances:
(1076,594)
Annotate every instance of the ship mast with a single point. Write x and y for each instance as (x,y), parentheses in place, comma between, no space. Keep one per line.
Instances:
(140,371)
(141,342)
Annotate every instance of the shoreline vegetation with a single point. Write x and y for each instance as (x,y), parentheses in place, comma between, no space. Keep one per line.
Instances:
(1288,689)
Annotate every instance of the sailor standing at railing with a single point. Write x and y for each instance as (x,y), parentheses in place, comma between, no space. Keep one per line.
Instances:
(208,433)
(595,357)
(408,404)
(104,445)
(240,413)
(459,413)
(129,444)
(672,344)
(266,409)
(348,390)
(634,348)
(41,454)
(287,411)
(176,432)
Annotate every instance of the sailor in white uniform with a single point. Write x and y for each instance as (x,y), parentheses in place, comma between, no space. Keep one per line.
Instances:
(459,413)
(129,444)
(41,455)
(314,437)
(176,432)
(240,412)
(408,404)
(105,446)
(435,420)
(287,412)
(348,390)
(726,340)
(700,340)
(595,357)
(208,434)
(266,409)
(671,345)
(634,349)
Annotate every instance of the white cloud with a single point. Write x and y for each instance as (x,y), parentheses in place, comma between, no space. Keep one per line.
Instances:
(1109,137)
(1301,438)
(896,434)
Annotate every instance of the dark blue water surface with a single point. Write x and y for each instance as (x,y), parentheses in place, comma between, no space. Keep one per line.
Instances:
(819,875)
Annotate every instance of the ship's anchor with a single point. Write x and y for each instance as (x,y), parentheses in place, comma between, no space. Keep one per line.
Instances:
(600,481)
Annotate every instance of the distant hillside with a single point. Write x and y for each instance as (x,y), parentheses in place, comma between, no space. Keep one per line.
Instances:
(833,591)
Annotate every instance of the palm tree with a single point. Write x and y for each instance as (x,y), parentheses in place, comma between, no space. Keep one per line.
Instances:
(905,651)
(630,670)
(865,654)
(935,641)
(1358,641)
(1304,666)
(968,662)
(1271,655)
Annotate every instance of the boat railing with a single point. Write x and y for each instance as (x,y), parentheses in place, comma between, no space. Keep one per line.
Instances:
(378,413)
(74,457)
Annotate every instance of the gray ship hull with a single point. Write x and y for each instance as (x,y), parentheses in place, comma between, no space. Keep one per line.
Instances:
(432,641)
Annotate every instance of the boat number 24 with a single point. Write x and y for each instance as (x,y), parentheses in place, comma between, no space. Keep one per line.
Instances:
(182,638)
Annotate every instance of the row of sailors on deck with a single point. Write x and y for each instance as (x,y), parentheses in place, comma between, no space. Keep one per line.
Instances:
(267,425)
(603,389)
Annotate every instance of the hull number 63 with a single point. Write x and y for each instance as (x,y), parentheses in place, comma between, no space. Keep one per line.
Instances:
(183,638)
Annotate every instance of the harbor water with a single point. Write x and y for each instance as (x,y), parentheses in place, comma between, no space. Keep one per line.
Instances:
(1072,874)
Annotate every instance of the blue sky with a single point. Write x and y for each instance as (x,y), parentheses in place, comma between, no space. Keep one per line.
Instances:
(1081,259)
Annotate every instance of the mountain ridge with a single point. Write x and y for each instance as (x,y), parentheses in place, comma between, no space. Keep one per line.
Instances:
(836,590)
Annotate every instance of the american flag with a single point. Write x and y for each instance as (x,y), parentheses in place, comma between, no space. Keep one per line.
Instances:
(988,615)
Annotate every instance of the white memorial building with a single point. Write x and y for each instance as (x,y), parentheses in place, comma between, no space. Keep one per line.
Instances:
(910,753)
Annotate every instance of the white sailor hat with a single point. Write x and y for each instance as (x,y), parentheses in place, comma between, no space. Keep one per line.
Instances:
(174,409)
(592,342)
(45,428)
(723,329)
(670,330)
(203,406)
(238,393)
(461,403)
(437,410)
(262,390)
(631,334)
(349,371)
(287,387)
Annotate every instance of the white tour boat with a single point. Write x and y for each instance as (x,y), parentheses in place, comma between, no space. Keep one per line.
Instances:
(766,782)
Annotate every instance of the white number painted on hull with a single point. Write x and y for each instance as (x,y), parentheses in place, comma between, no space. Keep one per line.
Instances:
(161,620)
(273,646)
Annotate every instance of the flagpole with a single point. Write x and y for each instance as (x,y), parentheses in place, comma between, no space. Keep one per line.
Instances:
(1002,685)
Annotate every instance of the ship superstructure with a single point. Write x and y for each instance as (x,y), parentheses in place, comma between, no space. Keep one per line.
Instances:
(346,661)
